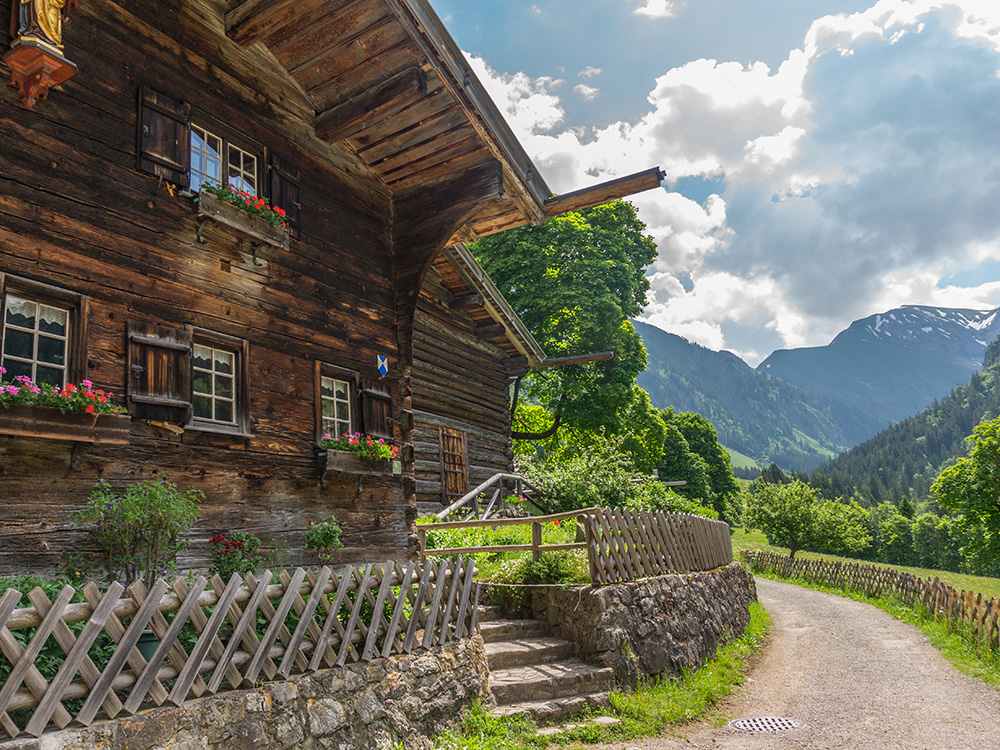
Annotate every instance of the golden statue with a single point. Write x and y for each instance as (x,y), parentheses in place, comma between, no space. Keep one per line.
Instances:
(41,20)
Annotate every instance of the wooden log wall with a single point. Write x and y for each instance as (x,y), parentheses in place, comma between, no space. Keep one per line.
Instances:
(459,382)
(75,213)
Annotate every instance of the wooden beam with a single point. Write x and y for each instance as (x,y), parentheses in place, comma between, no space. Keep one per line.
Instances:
(252,20)
(491,330)
(467,302)
(606,191)
(391,96)
(577,359)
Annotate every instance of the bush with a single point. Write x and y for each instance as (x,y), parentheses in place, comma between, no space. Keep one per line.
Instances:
(237,553)
(324,538)
(141,530)
(565,567)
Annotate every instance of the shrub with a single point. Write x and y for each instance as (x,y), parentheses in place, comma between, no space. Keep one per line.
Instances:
(510,576)
(324,538)
(237,553)
(141,530)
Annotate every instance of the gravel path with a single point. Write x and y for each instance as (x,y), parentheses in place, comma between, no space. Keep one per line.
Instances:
(853,677)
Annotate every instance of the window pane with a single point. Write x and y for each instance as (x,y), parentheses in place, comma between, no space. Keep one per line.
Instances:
(16,369)
(201,382)
(51,351)
(49,376)
(341,392)
(224,411)
(223,387)
(223,361)
(326,387)
(19,343)
(329,410)
(202,357)
(52,320)
(21,313)
(202,407)
(343,412)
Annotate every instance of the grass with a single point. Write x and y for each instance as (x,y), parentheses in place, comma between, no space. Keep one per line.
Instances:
(647,712)
(754,540)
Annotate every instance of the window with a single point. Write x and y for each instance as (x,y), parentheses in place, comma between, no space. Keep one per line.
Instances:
(43,332)
(215,159)
(190,376)
(335,402)
(172,148)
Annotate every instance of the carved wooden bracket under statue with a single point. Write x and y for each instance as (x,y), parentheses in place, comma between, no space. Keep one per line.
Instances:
(35,56)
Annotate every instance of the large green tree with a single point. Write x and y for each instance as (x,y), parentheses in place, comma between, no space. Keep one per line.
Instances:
(575,281)
(791,515)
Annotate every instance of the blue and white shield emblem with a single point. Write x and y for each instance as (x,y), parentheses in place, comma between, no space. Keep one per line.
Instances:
(383,365)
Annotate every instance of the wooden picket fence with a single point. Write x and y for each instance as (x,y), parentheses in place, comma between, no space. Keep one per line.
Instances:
(967,612)
(214,635)
(621,544)
(625,545)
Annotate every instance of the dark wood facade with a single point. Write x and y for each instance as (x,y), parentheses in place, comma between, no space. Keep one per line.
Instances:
(367,126)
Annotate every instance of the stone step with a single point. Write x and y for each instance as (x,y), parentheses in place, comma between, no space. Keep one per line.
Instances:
(509,630)
(543,682)
(490,613)
(554,709)
(525,651)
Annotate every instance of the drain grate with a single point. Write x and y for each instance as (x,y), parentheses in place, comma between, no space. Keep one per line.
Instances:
(762,724)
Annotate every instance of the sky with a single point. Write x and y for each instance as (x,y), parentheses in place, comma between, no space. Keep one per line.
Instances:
(825,159)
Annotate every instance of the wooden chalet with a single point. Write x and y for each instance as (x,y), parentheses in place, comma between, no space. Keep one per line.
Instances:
(233,345)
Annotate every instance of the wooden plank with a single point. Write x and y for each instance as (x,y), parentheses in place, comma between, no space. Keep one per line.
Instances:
(324,649)
(373,631)
(67,641)
(75,657)
(418,602)
(305,620)
(198,617)
(168,644)
(243,632)
(350,117)
(178,657)
(23,663)
(270,612)
(455,579)
(430,624)
(463,611)
(276,624)
(352,622)
(205,641)
(405,579)
(8,602)
(125,650)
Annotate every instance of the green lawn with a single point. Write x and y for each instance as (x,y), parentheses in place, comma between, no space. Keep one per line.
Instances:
(988,587)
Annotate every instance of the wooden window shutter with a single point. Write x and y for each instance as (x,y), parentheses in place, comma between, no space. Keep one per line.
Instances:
(286,192)
(164,137)
(454,464)
(159,372)
(376,411)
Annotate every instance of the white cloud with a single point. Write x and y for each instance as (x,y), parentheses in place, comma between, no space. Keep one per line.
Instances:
(590,71)
(861,174)
(656,9)
(587,92)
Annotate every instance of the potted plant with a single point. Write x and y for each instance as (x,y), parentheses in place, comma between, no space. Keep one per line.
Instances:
(244,212)
(81,413)
(354,453)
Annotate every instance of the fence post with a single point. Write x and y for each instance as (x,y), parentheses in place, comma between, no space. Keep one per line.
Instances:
(536,540)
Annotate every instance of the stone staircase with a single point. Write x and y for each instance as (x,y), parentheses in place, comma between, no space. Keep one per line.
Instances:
(535,673)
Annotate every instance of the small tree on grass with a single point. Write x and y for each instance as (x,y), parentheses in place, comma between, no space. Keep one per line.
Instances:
(791,515)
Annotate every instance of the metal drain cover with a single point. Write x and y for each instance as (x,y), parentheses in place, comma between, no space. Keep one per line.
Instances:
(762,724)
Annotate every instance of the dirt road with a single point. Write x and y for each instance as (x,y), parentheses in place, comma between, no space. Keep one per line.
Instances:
(853,677)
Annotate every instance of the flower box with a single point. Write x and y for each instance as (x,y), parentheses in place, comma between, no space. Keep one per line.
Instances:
(345,462)
(25,420)
(210,207)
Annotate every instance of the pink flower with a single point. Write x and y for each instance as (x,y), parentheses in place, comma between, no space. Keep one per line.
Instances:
(87,384)
(13,390)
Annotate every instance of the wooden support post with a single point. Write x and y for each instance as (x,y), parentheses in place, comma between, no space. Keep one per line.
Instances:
(536,540)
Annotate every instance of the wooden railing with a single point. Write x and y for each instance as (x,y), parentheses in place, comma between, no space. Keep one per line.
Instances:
(520,485)
(214,635)
(621,544)
(977,617)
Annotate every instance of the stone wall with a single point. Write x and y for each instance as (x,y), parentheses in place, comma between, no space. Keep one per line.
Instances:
(653,627)
(403,699)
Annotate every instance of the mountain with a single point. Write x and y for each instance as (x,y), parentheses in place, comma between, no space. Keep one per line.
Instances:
(907,457)
(753,412)
(891,365)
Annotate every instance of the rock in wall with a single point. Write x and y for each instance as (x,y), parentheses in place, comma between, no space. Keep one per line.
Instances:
(652,627)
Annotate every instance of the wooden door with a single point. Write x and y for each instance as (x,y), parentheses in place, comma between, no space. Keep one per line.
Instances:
(454,465)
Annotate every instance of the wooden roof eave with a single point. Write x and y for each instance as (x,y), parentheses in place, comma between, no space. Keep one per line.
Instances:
(522,182)
(495,304)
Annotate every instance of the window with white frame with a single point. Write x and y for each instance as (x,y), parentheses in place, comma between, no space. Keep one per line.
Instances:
(335,403)
(213,384)
(214,159)
(35,341)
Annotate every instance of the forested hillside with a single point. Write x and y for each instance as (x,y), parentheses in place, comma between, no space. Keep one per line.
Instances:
(756,414)
(906,458)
